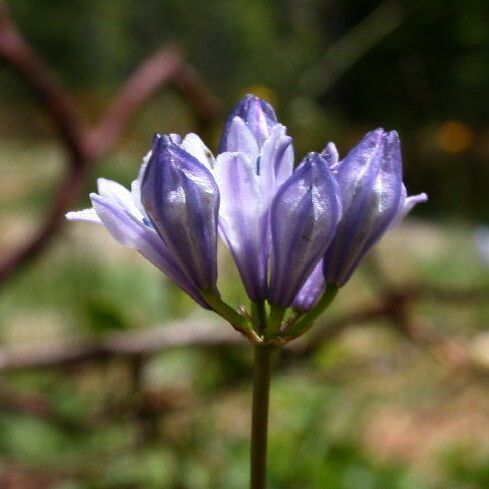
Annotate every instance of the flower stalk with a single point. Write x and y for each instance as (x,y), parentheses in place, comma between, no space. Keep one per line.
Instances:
(262,372)
(305,322)
(238,322)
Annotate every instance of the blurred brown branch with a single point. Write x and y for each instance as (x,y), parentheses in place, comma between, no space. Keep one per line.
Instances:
(132,344)
(142,406)
(84,145)
(394,308)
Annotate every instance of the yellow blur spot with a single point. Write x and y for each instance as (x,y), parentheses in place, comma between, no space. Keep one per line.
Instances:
(454,137)
(263,92)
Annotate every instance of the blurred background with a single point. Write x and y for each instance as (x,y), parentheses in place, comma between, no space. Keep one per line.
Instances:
(391,389)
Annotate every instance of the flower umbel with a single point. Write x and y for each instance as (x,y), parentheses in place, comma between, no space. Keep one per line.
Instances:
(296,236)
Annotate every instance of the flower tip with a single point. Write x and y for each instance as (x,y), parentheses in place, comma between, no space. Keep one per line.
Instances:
(251,106)
(157,137)
(385,140)
(392,139)
(102,184)
(250,97)
(94,197)
(423,197)
(330,154)
(161,141)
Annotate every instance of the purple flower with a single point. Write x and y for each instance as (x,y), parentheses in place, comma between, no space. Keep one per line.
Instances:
(256,159)
(258,116)
(295,236)
(303,219)
(181,199)
(186,254)
(310,292)
(374,200)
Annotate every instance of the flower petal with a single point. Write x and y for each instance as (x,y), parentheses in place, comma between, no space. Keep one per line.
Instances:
(240,139)
(304,216)
(243,220)
(193,144)
(331,155)
(127,230)
(257,114)
(310,292)
(136,185)
(117,193)
(370,179)
(407,205)
(276,161)
(88,215)
(181,198)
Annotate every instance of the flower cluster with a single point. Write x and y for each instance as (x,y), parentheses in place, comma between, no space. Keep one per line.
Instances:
(296,234)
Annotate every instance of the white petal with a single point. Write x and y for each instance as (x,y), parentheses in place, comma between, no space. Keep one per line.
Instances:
(88,215)
(117,193)
(136,185)
(406,205)
(331,155)
(193,144)
(412,201)
(121,224)
(128,231)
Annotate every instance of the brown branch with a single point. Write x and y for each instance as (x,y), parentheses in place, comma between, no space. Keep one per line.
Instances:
(65,196)
(15,50)
(134,344)
(143,84)
(394,308)
(195,91)
(329,330)
(84,145)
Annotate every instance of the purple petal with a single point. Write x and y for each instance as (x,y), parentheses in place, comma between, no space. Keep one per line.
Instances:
(311,291)
(304,216)
(406,205)
(370,180)
(276,161)
(181,198)
(127,230)
(258,116)
(330,154)
(243,220)
(240,139)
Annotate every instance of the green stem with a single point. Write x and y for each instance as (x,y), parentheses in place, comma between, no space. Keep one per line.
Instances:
(237,321)
(259,314)
(307,320)
(277,314)
(262,370)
